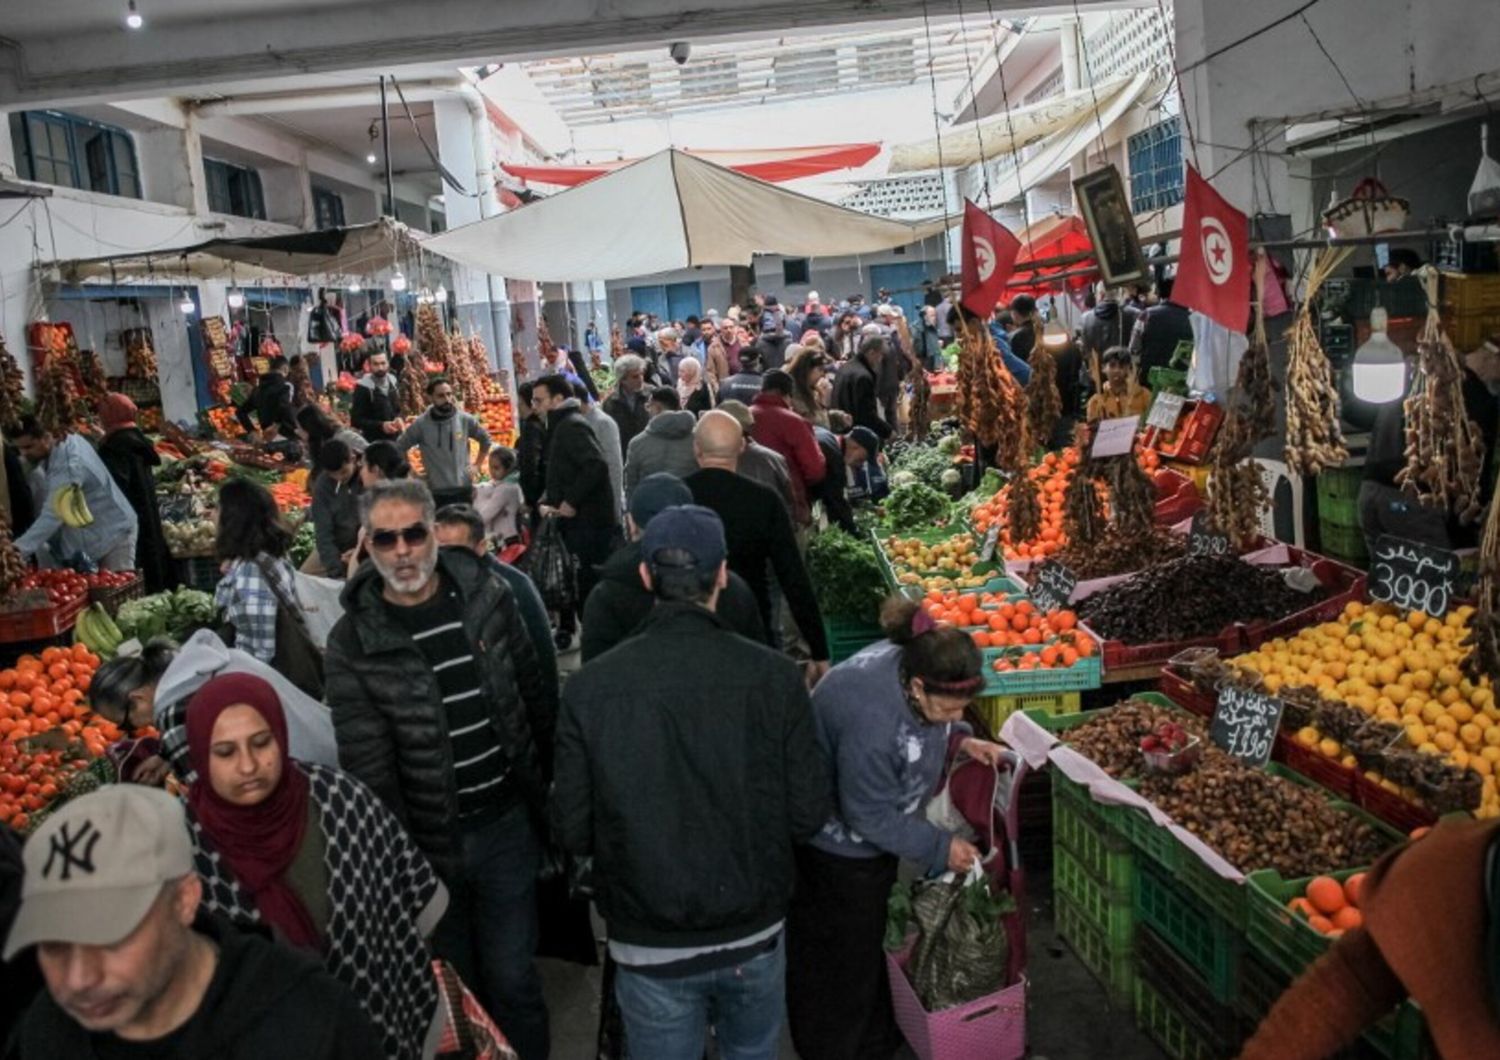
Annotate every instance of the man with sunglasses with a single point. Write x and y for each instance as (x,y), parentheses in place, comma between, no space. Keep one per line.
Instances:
(439,705)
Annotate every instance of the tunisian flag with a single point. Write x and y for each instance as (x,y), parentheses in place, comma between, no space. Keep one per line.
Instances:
(1213,272)
(989,257)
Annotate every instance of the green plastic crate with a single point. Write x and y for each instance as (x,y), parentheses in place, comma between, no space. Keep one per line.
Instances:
(1114,969)
(1185,1020)
(846,638)
(1108,909)
(1180,1036)
(1260,987)
(1281,938)
(1209,945)
(1344,542)
(1096,849)
(1338,495)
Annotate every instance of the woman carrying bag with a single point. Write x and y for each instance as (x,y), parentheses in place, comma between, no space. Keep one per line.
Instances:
(889,719)
(257,597)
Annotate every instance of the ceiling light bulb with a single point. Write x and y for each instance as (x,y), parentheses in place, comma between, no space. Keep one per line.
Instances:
(187,305)
(1379,366)
(370,158)
(441,294)
(133,17)
(354,287)
(398,281)
(236,298)
(1055,336)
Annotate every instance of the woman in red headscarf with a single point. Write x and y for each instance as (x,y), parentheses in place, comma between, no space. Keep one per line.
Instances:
(130,456)
(314,855)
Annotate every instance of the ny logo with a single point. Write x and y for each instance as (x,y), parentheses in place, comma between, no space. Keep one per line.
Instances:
(66,845)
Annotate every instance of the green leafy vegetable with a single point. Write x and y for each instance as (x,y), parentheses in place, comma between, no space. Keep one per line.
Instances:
(176,614)
(915,507)
(847,576)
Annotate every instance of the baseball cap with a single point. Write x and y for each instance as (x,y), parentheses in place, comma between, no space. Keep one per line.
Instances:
(96,865)
(695,530)
(866,439)
(656,492)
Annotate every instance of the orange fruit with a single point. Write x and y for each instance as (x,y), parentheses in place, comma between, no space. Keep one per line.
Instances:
(1302,907)
(1352,888)
(1321,924)
(1062,620)
(980,638)
(1326,894)
(1348,918)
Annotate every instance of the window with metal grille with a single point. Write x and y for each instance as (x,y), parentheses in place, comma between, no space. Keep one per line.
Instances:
(328,208)
(234,189)
(887,62)
(1155,156)
(807,71)
(709,78)
(623,84)
(64,149)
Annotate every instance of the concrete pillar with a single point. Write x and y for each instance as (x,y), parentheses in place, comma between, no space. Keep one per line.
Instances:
(7,149)
(479,299)
(1074,78)
(169,170)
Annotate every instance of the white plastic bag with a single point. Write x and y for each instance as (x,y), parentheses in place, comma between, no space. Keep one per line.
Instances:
(1484,193)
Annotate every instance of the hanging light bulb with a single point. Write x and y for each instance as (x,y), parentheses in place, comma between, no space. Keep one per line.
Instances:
(354,287)
(1379,367)
(441,294)
(1054,336)
(236,298)
(398,281)
(133,17)
(370,158)
(187,305)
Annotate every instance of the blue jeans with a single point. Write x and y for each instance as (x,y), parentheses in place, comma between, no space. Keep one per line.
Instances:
(668,1018)
(489,933)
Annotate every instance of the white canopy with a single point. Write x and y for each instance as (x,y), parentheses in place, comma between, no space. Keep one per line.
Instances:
(668,211)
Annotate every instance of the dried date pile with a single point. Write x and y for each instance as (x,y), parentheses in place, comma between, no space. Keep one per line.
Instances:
(1196,596)
(1116,553)
(1113,740)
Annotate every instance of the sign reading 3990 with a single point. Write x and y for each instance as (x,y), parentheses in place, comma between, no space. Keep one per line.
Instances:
(1413,576)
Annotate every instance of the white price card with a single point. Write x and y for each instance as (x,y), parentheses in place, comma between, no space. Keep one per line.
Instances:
(1115,437)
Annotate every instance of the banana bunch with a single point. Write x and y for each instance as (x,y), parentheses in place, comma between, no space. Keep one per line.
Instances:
(96,630)
(68,504)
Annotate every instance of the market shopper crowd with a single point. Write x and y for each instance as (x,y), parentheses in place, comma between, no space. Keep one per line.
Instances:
(374,829)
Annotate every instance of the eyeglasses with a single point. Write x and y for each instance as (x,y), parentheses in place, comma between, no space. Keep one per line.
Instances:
(414,535)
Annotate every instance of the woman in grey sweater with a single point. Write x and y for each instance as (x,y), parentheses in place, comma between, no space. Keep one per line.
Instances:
(889,720)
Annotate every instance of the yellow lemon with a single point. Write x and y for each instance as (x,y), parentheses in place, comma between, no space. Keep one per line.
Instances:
(1471,735)
(1446,723)
(1307,736)
(1445,741)
(1461,712)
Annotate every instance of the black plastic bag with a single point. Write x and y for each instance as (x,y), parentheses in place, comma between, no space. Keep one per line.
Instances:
(553,568)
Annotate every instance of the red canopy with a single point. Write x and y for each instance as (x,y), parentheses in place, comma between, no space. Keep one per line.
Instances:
(774,165)
(1053,237)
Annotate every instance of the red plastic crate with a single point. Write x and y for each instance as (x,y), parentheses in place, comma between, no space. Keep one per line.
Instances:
(1185,694)
(1345,584)
(1315,765)
(40,623)
(1395,810)
(1118,655)
(1194,435)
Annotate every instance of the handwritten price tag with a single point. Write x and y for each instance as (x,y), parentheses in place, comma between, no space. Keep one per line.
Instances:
(1115,437)
(991,539)
(1053,588)
(1245,724)
(1165,411)
(1204,540)
(1412,576)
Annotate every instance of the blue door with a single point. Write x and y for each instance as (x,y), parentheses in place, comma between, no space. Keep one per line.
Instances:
(904,280)
(651,299)
(684,300)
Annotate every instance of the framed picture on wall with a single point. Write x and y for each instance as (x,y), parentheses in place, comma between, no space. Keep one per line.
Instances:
(1106,212)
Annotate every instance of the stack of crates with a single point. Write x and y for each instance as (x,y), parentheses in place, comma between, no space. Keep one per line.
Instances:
(1093,874)
(1471,307)
(1338,515)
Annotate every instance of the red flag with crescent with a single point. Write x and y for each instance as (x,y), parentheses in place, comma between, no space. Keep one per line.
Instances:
(1213,273)
(989,258)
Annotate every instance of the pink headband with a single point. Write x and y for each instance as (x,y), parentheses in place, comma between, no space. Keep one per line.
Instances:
(922,622)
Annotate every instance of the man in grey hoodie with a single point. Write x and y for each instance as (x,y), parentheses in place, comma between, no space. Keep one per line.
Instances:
(442,433)
(665,445)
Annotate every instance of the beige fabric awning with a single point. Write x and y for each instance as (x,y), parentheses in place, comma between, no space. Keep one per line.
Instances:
(669,211)
(1061,127)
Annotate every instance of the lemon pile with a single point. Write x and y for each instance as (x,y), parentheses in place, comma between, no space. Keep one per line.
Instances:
(1401,668)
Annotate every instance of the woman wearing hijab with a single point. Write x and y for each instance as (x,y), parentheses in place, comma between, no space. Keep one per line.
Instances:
(314,856)
(696,394)
(130,456)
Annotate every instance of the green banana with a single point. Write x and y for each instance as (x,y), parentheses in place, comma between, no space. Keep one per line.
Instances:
(96,630)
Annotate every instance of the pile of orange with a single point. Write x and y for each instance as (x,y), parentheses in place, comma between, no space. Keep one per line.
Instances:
(1330,907)
(225,423)
(1051,476)
(996,621)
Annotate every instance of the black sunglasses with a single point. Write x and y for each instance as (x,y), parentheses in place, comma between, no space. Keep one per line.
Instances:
(413,535)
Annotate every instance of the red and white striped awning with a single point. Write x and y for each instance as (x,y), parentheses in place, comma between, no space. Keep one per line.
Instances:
(774,165)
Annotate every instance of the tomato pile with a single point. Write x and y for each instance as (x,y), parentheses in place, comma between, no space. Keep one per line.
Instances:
(995,621)
(109,579)
(40,694)
(62,586)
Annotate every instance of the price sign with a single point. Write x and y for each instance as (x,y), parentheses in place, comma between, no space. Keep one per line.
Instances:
(1413,577)
(1165,411)
(1204,540)
(1245,724)
(1053,587)
(991,539)
(1115,437)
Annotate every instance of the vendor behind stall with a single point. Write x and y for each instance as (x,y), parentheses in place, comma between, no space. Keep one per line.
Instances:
(889,720)
(1120,395)
(106,532)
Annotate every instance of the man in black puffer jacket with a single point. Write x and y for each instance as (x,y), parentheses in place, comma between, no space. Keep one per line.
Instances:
(439,706)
